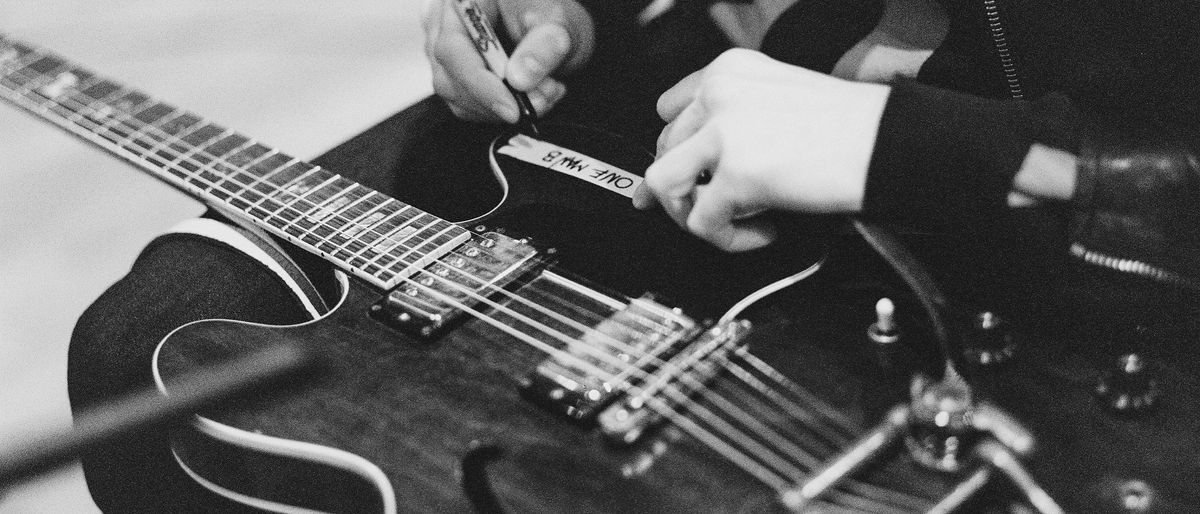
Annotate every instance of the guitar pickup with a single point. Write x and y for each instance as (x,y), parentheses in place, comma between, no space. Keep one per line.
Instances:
(612,356)
(435,299)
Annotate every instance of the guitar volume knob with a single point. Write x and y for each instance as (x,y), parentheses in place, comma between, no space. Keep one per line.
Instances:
(989,340)
(1130,387)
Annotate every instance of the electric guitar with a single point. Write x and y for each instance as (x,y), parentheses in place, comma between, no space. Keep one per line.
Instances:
(466,370)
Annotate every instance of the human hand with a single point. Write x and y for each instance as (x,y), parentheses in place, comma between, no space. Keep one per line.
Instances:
(553,36)
(748,134)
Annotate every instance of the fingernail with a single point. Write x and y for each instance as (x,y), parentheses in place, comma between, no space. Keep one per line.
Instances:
(506,111)
(641,198)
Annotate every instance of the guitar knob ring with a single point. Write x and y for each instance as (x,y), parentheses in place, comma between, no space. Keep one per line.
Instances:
(989,340)
(1129,388)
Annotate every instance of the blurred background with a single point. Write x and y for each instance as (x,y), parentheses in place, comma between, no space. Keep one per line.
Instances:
(299,76)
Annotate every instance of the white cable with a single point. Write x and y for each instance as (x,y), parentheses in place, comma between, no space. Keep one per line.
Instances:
(770,289)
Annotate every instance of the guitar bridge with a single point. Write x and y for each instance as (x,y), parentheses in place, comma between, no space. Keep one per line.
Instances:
(672,385)
(614,355)
(435,299)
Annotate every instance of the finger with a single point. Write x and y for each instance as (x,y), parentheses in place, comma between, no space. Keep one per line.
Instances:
(679,96)
(547,95)
(476,88)
(673,174)
(462,104)
(678,209)
(682,127)
(716,219)
(540,53)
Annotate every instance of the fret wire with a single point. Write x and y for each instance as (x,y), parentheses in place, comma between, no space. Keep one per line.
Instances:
(303,195)
(27,91)
(31,54)
(366,215)
(343,231)
(245,158)
(53,68)
(245,169)
(317,205)
(123,114)
(190,149)
(405,255)
(355,238)
(337,196)
(227,145)
(37,81)
(11,67)
(150,123)
(118,89)
(12,54)
(112,118)
(296,197)
(144,133)
(407,224)
(217,161)
(405,219)
(141,136)
(178,136)
(77,113)
(318,214)
(147,103)
(275,191)
(189,153)
(370,254)
(116,123)
(367,234)
(275,171)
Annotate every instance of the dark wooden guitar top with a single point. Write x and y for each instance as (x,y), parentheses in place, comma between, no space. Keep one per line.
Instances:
(443,419)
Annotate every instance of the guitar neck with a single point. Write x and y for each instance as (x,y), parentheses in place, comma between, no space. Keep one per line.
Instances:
(362,231)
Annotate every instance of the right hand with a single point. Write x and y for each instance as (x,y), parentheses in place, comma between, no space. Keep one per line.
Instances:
(553,37)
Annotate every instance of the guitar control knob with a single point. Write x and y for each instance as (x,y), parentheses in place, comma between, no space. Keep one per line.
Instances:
(1130,387)
(885,337)
(940,427)
(988,340)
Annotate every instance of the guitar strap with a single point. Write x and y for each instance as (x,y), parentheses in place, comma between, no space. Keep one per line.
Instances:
(256,244)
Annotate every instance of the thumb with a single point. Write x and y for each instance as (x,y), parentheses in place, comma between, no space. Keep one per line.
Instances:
(542,51)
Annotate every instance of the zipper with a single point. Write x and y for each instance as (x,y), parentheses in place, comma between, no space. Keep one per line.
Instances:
(1008,65)
(1130,266)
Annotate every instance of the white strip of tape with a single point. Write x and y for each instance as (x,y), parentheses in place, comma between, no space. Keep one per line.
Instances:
(570,162)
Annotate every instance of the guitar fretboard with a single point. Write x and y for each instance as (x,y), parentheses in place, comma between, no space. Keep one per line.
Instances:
(364,232)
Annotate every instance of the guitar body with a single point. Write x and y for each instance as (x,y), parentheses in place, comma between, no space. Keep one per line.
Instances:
(430,413)
(444,421)
(445,424)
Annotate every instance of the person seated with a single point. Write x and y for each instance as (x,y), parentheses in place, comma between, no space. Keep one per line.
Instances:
(948,112)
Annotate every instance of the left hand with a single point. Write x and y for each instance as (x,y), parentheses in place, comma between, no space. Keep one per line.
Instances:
(771,136)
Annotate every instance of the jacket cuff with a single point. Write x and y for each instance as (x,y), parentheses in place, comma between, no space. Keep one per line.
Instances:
(1135,210)
(946,156)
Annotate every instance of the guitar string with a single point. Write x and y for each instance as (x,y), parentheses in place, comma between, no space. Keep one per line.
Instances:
(128,137)
(772,477)
(131,136)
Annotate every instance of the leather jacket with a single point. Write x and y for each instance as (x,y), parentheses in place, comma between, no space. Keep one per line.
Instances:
(1137,210)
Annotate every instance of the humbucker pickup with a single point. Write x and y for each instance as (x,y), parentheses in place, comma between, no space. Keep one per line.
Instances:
(613,355)
(431,301)
(623,379)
